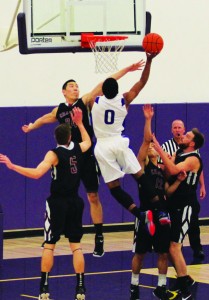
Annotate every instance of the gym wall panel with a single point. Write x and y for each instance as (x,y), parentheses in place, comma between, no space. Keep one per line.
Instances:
(12,185)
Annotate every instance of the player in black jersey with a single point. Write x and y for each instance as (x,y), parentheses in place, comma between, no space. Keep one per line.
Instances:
(171,146)
(61,113)
(64,207)
(182,196)
(160,241)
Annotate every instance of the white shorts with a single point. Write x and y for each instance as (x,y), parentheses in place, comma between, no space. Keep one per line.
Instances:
(115,158)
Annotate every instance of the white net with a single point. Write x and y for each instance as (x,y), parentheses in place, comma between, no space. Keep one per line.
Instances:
(106,54)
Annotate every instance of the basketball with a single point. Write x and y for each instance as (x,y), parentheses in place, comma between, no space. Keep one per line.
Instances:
(152,43)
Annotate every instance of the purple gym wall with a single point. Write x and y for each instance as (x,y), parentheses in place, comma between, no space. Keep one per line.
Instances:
(23,199)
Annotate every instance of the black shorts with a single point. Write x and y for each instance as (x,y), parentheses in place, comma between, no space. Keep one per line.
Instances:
(180,221)
(63,216)
(144,242)
(90,173)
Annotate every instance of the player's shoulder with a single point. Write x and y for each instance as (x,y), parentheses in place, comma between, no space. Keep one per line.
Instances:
(60,106)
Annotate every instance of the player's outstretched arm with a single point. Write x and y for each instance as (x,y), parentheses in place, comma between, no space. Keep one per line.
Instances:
(97,91)
(189,164)
(138,86)
(45,119)
(77,116)
(148,115)
(35,173)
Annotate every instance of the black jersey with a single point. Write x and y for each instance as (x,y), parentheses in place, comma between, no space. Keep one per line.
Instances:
(156,178)
(66,175)
(63,116)
(185,194)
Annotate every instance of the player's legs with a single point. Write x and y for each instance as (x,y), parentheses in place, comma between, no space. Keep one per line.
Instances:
(141,245)
(74,232)
(123,197)
(137,262)
(97,219)
(194,232)
(127,202)
(79,266)
(95,208)
(56,210)
(47,262)
(78,258)
(107,153)
(178,259)
(91,184)
(180,222)
(161,290)
(162,263)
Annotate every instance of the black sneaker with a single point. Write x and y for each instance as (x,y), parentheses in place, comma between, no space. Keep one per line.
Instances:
(99,246)
(160,292)
(190,281)
(199,254)
(44,293)
(80,293)
(134,292)
(187,296)
(173,294)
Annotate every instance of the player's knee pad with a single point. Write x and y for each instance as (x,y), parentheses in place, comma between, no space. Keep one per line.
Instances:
(121,196)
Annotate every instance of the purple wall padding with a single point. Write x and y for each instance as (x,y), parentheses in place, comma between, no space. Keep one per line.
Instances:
(12,185)
(1,241)
(23,199)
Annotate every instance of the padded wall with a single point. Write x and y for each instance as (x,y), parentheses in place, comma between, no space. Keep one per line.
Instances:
(23,199)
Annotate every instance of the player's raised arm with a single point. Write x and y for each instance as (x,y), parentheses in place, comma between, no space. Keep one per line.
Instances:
(45,119)
(148,115)
(189,164)
(97,91)
(76,116)
(138,86)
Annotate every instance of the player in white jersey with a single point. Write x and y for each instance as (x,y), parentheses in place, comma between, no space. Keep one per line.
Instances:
(112,150)
(109,115)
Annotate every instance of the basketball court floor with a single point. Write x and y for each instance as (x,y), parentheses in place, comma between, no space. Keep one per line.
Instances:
(107,278)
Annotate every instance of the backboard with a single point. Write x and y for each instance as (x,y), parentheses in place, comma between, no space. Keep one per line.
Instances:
(56,25)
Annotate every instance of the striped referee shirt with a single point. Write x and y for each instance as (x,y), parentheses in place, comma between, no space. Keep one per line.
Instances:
(170,146)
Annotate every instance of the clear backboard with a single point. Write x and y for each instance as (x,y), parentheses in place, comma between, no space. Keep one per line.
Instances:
(47,26)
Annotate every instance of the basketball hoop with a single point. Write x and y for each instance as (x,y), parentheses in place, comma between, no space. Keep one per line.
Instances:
(106,49)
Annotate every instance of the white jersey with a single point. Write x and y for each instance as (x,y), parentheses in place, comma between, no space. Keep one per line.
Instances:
(108,116)
(112,150)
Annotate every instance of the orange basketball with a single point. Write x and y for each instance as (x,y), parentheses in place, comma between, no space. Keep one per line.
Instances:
(152,43)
